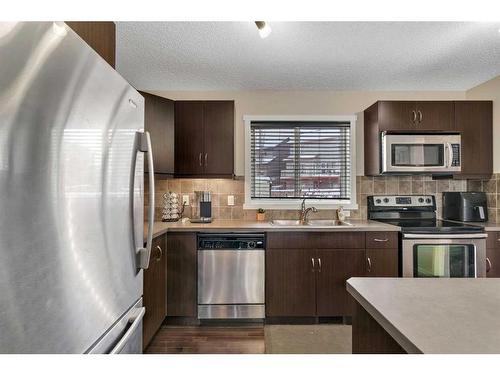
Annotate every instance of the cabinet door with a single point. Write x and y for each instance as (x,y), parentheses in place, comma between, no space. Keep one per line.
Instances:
(189,138)
(382,262)
(218,128)
(290,282)
(396,115)
(334,268)
(101,36)
(474,120)
(154,291)
(435,115)
(159,122)
(182,275)
(493,254)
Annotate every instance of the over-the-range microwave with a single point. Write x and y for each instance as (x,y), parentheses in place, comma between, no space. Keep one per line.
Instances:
(438,153)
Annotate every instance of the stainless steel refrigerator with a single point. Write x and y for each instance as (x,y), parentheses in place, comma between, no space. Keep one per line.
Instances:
(72,149)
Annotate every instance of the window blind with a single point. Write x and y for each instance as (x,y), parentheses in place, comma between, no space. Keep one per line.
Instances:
(295,160)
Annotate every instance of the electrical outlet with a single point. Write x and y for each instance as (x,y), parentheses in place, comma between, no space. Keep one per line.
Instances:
(230,200)
(185,199)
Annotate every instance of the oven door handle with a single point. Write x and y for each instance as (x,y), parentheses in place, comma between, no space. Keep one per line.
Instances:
(446,236)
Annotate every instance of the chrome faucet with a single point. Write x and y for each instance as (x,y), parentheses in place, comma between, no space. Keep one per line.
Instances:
(304,212)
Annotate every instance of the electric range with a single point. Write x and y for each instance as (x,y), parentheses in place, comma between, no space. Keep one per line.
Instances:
(430,247)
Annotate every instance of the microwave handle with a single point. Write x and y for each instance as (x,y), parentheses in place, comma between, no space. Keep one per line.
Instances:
(450,154)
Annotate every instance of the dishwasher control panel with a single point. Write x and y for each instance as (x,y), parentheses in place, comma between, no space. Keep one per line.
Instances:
(236,241)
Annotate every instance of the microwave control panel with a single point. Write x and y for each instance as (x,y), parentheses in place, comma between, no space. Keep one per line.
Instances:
(455,147)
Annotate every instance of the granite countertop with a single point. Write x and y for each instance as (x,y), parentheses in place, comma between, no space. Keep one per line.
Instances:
(428,315)
(251,226)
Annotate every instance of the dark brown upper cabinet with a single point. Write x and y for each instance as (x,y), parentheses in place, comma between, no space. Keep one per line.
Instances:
(434,116)
(204,139)
(159,122)
(413,116)
(101,36)
(474,120)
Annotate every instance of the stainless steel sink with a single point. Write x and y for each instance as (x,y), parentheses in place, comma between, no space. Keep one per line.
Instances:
(328,223)
(286,223)
(318,223)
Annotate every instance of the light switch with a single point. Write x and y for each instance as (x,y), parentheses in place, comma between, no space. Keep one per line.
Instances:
(230,200)
(185,199)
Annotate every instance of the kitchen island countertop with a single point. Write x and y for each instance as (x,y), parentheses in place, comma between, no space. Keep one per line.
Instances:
(431,315)
(265,226)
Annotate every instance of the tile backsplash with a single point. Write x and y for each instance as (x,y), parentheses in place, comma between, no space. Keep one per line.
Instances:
(365,186)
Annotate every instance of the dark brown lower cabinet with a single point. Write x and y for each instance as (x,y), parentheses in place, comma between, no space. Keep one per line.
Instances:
(382,262)
(290,283)
(334,267)
(154,291)
(182,275)
(306,273)
(493,254)
(368,336)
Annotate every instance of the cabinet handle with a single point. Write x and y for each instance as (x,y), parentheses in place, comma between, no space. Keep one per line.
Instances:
(414,116)
(206,158)
(319,263)
(380,239)
(488,264)
(312,261)
(160,253)
(369,261)
(420,116)
(199,158)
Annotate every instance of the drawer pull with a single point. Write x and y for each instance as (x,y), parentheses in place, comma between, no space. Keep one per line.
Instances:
(380,239)
(312,261)
(319,263)
(369,261)
(488,265)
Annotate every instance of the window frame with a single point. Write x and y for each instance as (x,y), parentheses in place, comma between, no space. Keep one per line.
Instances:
(277,203)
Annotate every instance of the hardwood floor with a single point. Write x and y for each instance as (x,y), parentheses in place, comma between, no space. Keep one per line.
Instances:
(208,340)
(272,339)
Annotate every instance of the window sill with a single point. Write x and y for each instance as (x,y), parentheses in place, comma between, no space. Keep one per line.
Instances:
(295,205)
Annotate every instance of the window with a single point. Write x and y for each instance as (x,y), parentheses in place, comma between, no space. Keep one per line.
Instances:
(289,159)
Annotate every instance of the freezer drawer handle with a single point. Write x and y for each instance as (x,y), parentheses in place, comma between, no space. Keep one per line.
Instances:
(144,253)
(135,323)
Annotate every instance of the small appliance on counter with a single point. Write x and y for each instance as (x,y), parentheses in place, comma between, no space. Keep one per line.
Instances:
(202,210)
(465,206)
(171,211)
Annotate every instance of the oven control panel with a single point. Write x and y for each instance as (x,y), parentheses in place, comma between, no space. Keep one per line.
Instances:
(403,200)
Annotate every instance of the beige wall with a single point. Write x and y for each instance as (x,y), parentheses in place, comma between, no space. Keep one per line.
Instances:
(490,90)
(306,103)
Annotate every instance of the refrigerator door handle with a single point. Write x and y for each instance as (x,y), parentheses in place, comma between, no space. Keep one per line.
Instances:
(144,253)
(135,324)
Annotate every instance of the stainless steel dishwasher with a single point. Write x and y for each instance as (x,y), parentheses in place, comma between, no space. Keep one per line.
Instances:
(231,273)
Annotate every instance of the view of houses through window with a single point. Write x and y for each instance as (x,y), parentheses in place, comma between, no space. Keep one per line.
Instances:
(291,160)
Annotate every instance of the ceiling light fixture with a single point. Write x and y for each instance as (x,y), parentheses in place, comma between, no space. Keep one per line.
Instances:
(264,29)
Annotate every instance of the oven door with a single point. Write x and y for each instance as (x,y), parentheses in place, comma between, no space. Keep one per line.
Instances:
(418,153)
(451,255)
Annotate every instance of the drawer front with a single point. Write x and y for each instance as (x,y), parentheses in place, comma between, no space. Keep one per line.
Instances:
(493,240)
(316,240)
(381,240)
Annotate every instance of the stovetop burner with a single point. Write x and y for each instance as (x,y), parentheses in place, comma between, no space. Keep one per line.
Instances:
(414,214)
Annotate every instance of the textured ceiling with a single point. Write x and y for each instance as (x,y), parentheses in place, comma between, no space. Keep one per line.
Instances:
(308,55)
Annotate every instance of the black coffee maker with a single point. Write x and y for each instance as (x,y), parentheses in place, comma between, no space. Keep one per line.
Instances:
(465,206)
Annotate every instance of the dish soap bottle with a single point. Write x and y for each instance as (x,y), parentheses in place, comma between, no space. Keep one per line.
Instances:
(340,214)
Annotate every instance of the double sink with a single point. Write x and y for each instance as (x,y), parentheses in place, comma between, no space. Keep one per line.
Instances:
(317,223)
